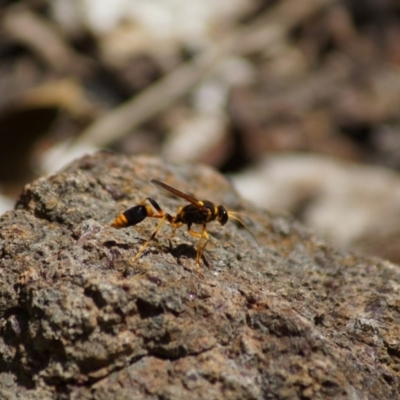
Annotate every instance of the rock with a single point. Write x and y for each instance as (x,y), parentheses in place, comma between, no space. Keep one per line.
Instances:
(291,318)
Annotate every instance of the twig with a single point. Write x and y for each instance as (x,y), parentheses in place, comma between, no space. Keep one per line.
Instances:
(270,27)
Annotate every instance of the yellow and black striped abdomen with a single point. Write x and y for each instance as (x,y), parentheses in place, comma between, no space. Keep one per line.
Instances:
(130,217)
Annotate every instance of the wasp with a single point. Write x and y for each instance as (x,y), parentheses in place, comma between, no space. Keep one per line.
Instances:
(197,212)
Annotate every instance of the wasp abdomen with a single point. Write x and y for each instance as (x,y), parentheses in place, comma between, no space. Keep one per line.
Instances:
(130,217)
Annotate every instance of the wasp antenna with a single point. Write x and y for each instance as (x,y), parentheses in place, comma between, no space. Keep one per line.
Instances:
(232,214)
(235,213)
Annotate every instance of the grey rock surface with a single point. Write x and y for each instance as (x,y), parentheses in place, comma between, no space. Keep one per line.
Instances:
(291,318)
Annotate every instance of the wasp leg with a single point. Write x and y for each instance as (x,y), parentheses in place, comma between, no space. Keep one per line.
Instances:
(175,225)
(153,235)
(200,247)
(164,217)
(204,235)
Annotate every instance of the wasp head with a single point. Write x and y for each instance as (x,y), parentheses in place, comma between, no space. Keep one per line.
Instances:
(222,215)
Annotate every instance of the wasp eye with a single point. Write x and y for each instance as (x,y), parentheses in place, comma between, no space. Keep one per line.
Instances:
(222,215)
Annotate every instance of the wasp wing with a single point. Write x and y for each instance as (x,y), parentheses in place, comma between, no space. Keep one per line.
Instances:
(178,193)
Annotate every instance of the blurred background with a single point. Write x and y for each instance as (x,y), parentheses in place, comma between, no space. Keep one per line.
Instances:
(297,101)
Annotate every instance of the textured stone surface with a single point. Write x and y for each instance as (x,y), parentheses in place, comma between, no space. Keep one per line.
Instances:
(290,319)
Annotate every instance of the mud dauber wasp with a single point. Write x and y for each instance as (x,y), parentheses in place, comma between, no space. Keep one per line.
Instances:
(199,212)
